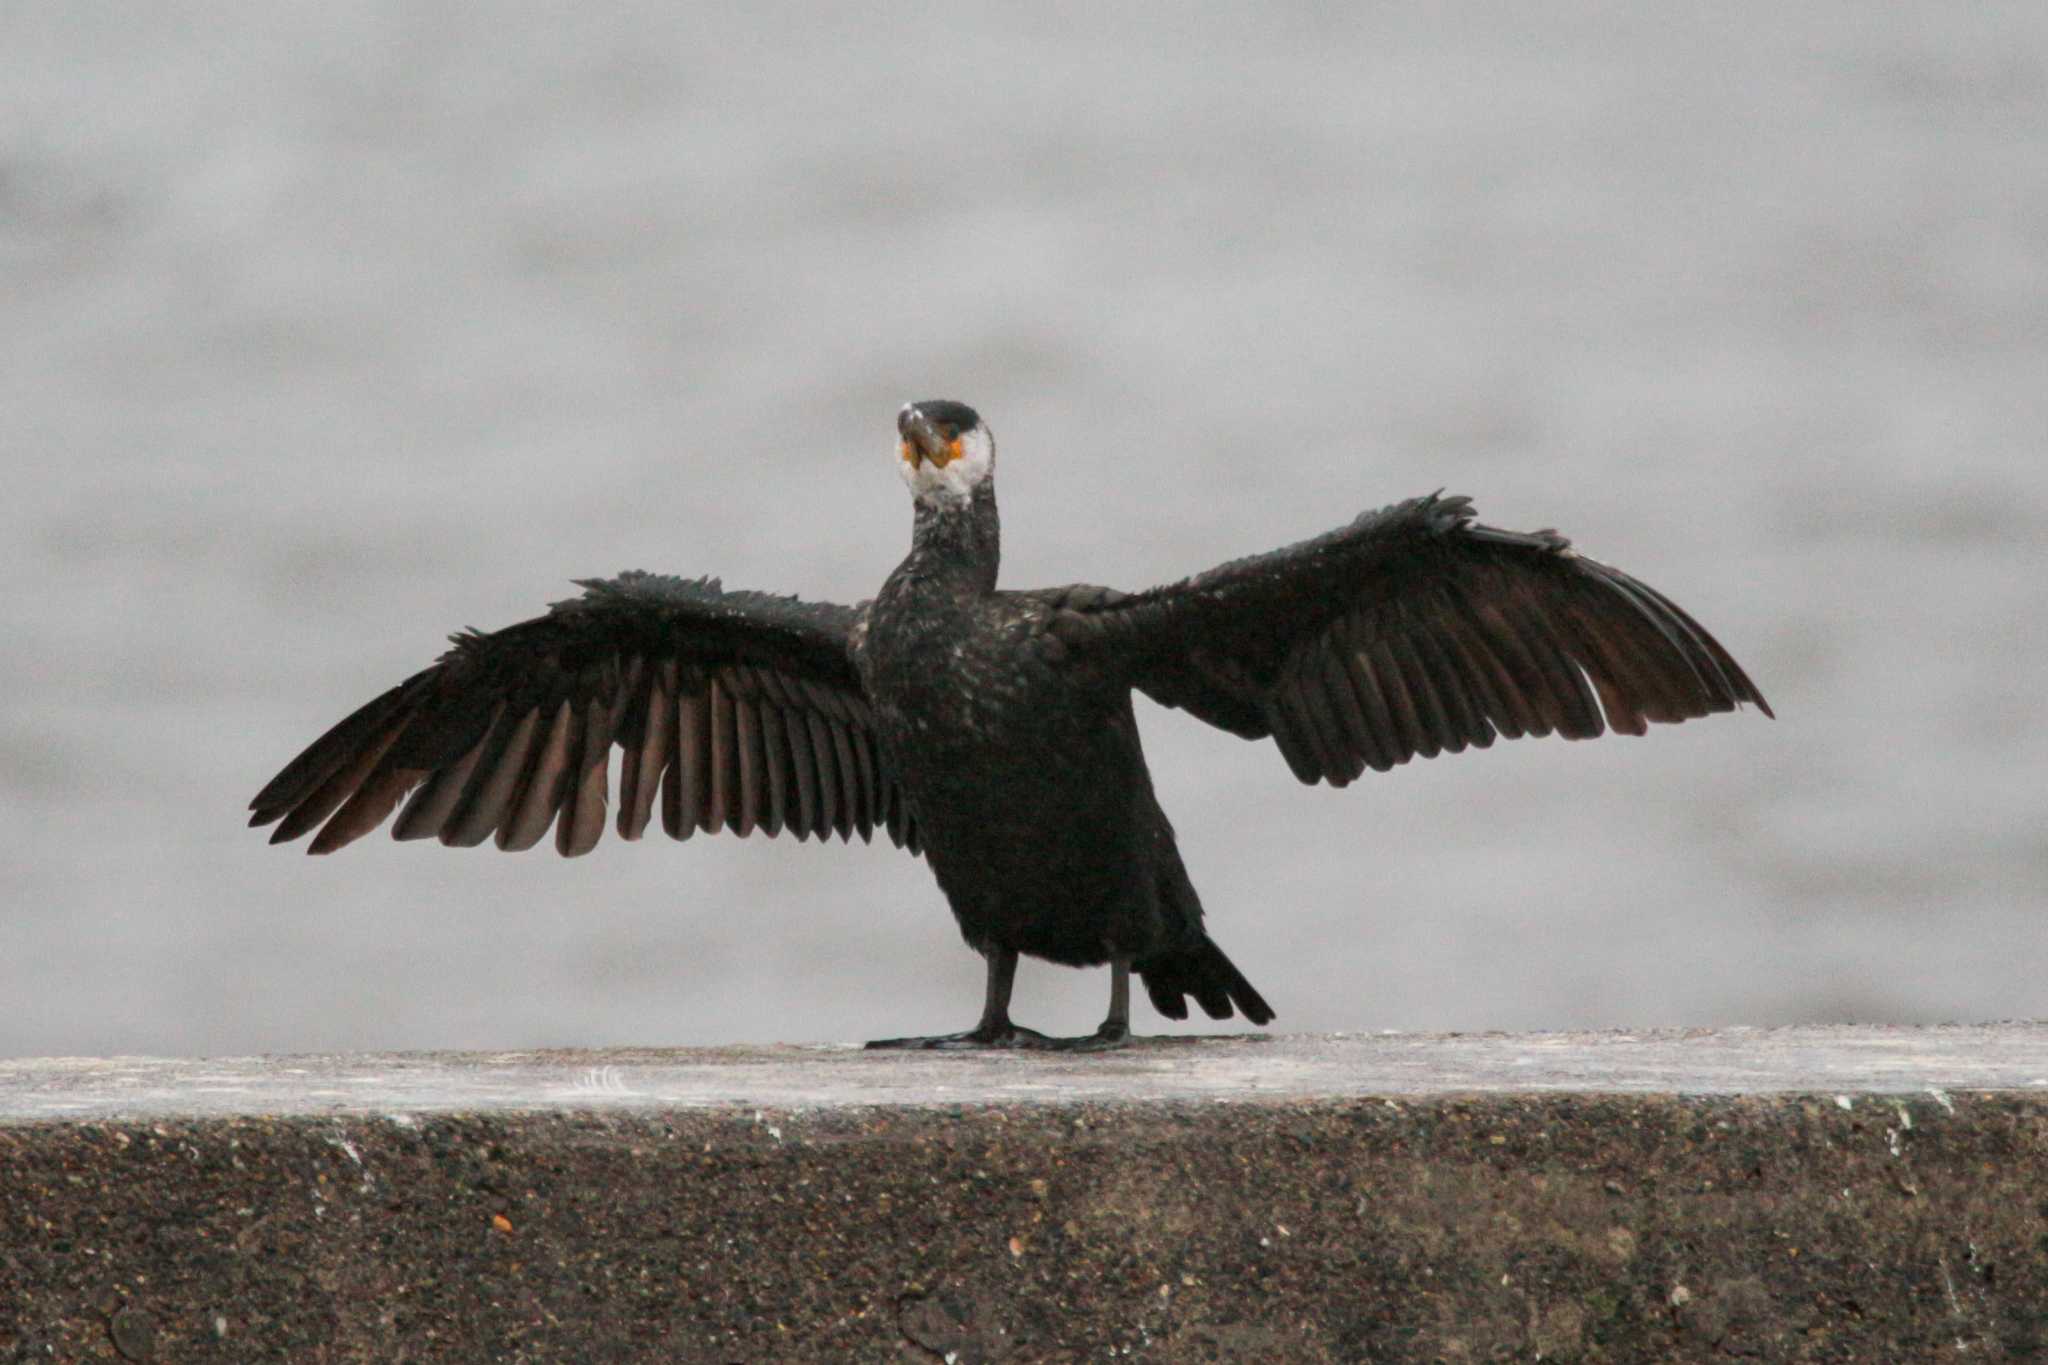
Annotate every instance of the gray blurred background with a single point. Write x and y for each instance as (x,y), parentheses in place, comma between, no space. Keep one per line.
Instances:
(331,328)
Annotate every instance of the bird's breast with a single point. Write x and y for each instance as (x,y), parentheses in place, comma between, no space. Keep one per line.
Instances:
(947,671)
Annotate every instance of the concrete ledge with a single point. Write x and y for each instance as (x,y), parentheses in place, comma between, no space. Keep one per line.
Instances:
(1799,1194)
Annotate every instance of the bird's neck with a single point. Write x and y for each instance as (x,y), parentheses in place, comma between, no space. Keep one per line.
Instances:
(960,541)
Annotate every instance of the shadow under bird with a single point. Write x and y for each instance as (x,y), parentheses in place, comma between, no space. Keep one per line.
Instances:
(992,730)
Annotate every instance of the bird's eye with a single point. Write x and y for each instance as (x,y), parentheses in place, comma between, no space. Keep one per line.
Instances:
(952,433)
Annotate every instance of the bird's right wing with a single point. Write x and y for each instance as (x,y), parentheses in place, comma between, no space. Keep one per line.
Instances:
(743,710)
(1413,630)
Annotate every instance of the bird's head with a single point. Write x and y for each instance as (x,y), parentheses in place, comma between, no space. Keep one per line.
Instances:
(946,451)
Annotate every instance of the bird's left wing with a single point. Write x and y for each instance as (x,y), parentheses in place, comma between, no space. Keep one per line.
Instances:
(1413,630)
(744,710)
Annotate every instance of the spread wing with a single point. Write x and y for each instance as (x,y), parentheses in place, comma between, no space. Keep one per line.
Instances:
(743,710)
(1411,631)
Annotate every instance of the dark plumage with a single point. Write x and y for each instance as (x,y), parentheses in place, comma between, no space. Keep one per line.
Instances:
(993,730)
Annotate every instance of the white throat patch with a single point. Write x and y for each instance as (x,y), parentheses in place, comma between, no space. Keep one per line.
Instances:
(956,480)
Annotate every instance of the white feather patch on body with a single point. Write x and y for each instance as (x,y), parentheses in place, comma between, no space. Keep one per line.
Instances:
(954,482)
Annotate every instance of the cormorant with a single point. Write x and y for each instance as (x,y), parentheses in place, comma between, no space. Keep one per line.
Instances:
(992,730)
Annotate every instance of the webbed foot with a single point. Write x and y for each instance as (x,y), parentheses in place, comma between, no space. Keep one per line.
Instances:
(1110,1036)
(1005,1036)
(1012,1036)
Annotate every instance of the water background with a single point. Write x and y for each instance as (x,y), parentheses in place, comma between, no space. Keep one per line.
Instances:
(327,329)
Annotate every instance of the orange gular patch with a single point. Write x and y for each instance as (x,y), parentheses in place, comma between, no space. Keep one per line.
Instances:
(912,456)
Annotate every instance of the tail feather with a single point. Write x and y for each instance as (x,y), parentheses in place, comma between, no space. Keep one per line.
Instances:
(1206,974)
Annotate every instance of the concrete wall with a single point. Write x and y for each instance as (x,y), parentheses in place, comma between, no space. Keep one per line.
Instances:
(1306,1199)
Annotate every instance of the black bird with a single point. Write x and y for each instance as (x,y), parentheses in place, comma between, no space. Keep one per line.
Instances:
(992,730)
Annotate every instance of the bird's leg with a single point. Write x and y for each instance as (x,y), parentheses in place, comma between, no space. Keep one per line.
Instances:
(1116,1029)
(995,1028)
(996,1031)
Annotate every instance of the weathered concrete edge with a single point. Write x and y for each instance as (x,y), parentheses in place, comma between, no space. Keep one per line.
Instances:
(1847,1060)
(1446,1226)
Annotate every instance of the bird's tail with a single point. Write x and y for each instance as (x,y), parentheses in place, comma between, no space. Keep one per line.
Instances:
(1205,973)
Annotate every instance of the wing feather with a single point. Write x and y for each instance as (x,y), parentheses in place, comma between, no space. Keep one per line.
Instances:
(747,746)
(827,762)
(1357,734)
(431,805)
(849,779)
(642,765)
(805,768)
(775,760)
(492,784)
(529,812)
(736,711)
(686,791)
(724,811)
(366,808)
(581,823)
(1460,721)
(1412,631)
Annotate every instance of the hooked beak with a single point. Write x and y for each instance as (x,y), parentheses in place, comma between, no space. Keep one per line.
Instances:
(922,439)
